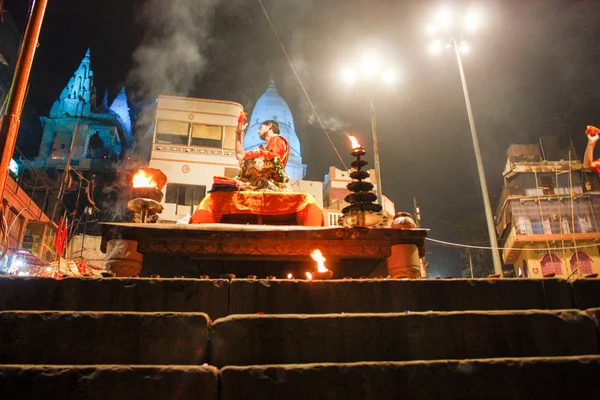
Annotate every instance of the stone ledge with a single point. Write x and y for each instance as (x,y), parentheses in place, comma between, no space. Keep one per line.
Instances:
(116,294)
(381,296)
(99,382)
(288,339)
(62,337)
(586,293)
(507,378)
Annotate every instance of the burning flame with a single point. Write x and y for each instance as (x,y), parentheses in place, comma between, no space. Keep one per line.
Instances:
(309,276)
(142,180)
(290,276)
(318,257)
(355,144)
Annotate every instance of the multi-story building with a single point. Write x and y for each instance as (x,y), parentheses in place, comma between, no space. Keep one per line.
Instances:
(549,212)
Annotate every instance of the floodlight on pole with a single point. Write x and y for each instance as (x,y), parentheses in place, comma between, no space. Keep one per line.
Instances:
(470,22)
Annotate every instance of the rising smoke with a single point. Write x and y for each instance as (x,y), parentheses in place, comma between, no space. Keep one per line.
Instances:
(170,60)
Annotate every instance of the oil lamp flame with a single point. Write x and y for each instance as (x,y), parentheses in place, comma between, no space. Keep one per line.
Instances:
(318,257)
(143,180)
(290,276)
(355,144)
(309,276)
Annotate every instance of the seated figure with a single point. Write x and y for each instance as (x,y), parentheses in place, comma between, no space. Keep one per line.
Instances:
(261,192)
(263,169)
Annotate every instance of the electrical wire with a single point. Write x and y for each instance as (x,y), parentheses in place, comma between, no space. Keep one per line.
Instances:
(301,84)
(467,246)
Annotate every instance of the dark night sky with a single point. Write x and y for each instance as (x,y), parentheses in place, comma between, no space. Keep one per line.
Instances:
(533,72)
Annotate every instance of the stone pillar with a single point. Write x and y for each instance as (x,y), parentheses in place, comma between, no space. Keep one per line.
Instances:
(122,258)
(404,262)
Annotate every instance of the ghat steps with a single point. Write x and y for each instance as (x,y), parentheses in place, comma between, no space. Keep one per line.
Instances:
(286,339)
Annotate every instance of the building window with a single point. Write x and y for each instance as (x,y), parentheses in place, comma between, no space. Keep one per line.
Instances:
(582,262)
(207,135)
(172,132)
(185,197)
(551,264)
(546,185)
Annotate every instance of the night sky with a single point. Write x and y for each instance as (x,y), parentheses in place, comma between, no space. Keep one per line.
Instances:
(533,71)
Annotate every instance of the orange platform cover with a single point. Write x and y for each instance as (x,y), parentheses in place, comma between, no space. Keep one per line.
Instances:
(217,204)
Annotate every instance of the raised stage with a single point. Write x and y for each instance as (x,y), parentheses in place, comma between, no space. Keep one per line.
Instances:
(171,250)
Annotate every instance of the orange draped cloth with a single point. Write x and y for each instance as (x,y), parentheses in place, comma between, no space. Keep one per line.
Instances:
(279,145)
(212,208)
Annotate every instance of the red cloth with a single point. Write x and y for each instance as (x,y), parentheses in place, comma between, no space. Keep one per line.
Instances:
(217,204)
(279,145)
(597,166)
(61,236)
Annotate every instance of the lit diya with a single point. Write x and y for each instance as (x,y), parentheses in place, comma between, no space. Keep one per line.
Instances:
(322,272)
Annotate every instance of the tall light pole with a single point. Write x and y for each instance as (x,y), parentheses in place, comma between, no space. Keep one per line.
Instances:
(11,120)
(468,22)
(372,73)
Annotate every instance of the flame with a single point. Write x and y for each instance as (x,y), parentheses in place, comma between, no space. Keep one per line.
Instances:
(309,276)
(355,144)
(142,180)
(290,276)
(318,257)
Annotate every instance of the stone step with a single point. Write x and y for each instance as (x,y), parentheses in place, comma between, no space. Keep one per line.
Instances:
(220,297)
(100,382)
(116,294)
(384,296)
(288,339)
(505,378)
(62,337)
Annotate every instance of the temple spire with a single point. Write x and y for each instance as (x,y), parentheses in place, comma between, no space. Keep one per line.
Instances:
(271,83)
(78,96)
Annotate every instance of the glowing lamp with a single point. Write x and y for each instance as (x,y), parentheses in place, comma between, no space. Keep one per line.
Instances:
(471,22)
(322,271)
(143,180)
(465,48)
(388,77)
(349,76)
(436,47)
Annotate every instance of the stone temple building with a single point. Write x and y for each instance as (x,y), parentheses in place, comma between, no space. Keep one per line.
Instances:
(95,135)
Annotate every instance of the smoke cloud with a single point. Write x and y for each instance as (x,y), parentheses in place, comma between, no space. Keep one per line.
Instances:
(171,58)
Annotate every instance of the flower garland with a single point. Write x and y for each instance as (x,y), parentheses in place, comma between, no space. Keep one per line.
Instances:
(263,170)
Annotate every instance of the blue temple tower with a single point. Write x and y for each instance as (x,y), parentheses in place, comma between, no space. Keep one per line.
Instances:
(96,137)
(272,106)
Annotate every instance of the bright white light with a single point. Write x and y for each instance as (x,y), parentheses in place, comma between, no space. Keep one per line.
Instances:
(436,47)
(445,18)
(349,76)
(389,77)
(369,66)
(465,48)
(471,22)
(17,263)
(431,29)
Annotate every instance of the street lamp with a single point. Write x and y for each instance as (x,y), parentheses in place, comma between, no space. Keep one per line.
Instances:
(449,26)
(370,71)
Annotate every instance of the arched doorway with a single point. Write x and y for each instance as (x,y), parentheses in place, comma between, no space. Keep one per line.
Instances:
(582,262)
(551,264)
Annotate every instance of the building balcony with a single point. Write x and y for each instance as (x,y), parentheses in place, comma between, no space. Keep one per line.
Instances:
(518,239)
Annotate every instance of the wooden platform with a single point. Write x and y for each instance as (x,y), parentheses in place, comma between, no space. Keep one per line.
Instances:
(213,249)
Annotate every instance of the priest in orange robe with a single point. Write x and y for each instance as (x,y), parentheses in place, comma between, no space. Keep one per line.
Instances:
(269,132)
(593,134)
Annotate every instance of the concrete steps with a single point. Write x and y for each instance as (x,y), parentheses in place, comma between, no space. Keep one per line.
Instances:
(504,378)
(220,297)
(280,339)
